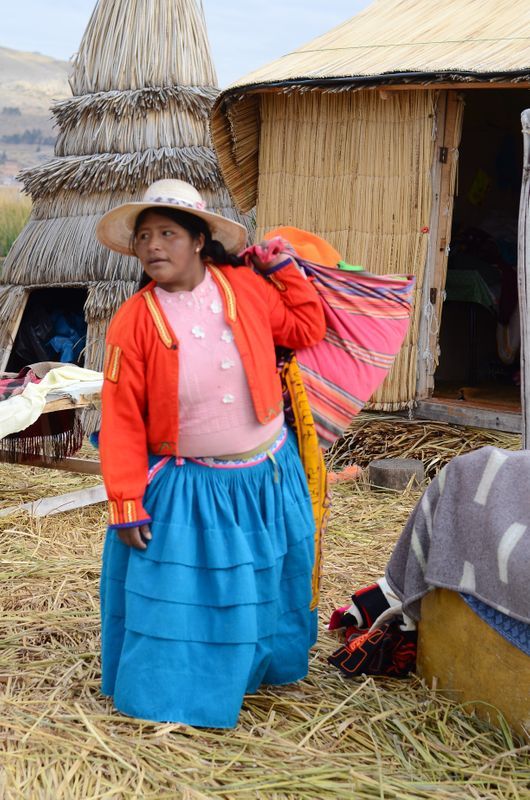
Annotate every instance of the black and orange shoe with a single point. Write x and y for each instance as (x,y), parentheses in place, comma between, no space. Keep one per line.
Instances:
(387,650)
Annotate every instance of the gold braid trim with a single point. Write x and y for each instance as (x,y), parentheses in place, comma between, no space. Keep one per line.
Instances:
(228,291)
(158,319)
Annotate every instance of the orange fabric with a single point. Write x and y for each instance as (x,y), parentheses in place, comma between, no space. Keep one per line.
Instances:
(140,409)
(308,246)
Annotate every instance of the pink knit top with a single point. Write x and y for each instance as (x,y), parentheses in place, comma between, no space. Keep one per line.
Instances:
(215,407)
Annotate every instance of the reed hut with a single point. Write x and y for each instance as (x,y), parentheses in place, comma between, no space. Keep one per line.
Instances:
(397,137)
(143,84)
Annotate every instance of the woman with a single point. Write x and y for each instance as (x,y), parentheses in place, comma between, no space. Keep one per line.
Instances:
(206,580)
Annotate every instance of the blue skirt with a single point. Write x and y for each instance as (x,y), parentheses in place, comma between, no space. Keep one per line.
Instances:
(219,602)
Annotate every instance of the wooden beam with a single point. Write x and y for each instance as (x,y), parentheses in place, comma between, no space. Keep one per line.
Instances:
(85,466)
(66,402)
(523,268)
(457,413)
(443,172)
(63,502)
(329,86)
(14,330)
(453,85)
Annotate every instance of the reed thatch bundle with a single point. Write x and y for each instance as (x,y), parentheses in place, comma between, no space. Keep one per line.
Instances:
(143,43)
(373,436)
(129,104)
(144,84)
(122,171)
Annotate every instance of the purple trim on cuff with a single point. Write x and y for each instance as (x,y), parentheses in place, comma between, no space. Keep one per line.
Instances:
(281,265)
(131,524)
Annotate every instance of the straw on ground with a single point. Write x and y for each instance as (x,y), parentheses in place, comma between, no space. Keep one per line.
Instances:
(325,737)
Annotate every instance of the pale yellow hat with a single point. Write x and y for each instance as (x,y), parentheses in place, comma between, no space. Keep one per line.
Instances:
(115,229)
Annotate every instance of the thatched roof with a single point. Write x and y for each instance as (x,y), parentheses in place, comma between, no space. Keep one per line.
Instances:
(392,42)
(144,84)
(474,37)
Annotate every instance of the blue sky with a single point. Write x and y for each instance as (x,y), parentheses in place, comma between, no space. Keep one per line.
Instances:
(241,36)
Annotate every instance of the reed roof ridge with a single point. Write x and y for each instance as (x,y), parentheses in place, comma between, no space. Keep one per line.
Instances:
(122,171)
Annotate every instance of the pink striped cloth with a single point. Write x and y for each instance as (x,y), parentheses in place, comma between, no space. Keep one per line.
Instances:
(367,317)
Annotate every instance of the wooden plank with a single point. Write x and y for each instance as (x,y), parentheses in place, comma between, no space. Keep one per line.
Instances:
(426,364)
(63,502)
(523,268)
(66,402)
(452,85)
(329,86)
(85,466)
(449,129)
(16,324)
(457,413)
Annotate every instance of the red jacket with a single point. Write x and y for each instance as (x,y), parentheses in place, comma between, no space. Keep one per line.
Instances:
(140,390)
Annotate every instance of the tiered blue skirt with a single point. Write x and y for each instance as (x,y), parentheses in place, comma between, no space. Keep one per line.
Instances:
(219,602)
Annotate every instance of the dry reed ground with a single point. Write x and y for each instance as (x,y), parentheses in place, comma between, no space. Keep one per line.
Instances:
(325,737)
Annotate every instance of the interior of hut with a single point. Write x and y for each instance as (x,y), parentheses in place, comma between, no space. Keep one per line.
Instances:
(480,330)
(53,328)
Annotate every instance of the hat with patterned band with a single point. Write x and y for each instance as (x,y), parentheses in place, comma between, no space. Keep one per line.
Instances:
(116,228)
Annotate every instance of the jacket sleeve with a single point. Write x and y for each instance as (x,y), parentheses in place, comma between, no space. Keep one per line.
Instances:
(296,313)
(123,439)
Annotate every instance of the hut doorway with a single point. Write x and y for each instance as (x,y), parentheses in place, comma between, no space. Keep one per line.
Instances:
(51,327)
(480,331)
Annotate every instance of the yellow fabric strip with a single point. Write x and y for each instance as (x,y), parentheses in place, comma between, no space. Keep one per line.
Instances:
(313,464)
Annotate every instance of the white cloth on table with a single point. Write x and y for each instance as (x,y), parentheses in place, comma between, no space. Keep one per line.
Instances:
(20,411)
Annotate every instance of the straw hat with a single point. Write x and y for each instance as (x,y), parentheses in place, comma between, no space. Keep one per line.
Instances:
(115,229)
(308,246)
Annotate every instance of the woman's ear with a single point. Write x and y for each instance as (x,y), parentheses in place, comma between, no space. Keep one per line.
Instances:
(201,239)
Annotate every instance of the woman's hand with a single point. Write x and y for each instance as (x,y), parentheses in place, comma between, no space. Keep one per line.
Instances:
(267,254)
(263,266)
(135,537)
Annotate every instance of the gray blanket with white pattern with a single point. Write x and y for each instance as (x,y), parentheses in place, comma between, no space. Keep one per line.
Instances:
(470,532)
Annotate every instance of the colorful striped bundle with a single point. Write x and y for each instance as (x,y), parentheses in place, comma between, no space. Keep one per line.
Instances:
(367,318)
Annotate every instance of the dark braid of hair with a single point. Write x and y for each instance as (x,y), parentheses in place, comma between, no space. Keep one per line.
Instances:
(212,249)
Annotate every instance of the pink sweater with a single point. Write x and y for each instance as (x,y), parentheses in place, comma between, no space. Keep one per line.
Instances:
(216,412)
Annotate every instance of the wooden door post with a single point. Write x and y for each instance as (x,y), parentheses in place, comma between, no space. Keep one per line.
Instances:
(523,268)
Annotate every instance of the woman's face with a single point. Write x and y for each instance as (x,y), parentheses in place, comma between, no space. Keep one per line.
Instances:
(169,254)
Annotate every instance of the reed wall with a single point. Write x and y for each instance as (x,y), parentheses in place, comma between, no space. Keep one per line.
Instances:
(355,168)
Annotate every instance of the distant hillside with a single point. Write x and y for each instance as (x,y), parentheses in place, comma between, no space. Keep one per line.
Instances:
(29,83)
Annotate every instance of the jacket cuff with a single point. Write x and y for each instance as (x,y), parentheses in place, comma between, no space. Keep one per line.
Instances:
(281,265)
(127,513)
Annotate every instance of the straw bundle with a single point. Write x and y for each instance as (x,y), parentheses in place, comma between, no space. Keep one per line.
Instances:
(122,171)
(323,738)
(355,169)
(11,300)
(70,203)
(36,259)
(151,131)
(372,436)
(154,43)
(133,103)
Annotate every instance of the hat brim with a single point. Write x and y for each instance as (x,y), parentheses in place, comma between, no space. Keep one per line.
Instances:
(115,229)
(308,245)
